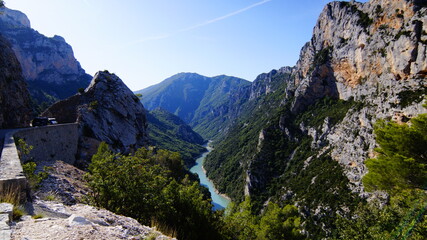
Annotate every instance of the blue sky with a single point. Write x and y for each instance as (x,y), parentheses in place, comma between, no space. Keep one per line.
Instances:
(146,41)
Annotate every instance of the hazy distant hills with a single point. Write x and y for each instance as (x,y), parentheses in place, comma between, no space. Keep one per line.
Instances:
(197,99)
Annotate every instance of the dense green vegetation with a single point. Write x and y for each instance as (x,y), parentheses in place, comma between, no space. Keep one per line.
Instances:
(152,188)
(284,163)
(169,132)
(402,156)
(275,223)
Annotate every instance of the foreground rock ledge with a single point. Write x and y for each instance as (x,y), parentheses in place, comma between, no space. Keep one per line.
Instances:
(79,222)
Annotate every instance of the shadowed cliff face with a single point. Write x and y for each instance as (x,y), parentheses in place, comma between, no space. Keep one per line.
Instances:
(15,108)
(106,111)
(48,64)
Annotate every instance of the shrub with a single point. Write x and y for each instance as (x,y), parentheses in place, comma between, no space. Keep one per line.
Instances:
(93,105)
(11,194)
(37,216)
(23,148)
(30,172)
(17,213)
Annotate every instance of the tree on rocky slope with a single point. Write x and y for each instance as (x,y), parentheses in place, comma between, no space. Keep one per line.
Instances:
(402,156)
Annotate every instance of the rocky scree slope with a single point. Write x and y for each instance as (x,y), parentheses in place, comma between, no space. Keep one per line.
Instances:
(48,64)
(307,140)
(202,102)
(106,111)
(14,96)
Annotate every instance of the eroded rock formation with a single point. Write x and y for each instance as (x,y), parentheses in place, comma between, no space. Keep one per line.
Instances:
(107,110)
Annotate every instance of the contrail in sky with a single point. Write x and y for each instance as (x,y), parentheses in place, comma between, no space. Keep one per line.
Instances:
(201,24)
(224,17)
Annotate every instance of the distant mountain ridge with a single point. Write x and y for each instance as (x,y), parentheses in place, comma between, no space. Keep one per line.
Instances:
(196,99)
(48,64)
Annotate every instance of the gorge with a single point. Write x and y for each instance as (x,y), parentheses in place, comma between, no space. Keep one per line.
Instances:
(331,148)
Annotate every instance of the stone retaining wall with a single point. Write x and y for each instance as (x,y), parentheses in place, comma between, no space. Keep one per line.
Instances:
(51,143)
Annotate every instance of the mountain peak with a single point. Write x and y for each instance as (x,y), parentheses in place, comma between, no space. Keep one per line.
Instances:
(14,18)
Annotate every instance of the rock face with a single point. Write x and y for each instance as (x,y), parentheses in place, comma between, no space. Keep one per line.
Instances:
(358,50)
(106,111)
(48,64)
(15,108)
(373,53)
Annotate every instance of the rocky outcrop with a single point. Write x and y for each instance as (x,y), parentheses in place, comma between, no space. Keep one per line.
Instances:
(79,222)
(48,64)
(106,111)
(15,108)
(266,83)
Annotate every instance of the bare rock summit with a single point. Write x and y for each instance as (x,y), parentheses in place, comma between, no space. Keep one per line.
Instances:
(107,110)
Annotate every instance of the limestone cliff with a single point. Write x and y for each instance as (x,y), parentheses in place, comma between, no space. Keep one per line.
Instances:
(374,53)
(106,111)
(15,108)
(48,64)
(358,50)
(309,126)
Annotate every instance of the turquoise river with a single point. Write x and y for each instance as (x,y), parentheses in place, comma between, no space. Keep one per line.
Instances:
(219,202)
